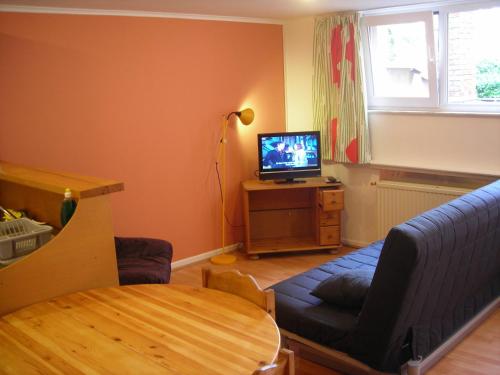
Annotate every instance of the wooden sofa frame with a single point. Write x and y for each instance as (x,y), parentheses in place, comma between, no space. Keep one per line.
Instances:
(342,362)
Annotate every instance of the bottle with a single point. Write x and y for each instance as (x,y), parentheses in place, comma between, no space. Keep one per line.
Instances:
(68,207)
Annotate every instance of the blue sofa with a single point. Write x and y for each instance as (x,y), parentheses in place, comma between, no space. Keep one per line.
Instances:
(432,275)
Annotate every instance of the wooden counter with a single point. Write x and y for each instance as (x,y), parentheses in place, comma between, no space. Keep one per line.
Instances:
(79,257)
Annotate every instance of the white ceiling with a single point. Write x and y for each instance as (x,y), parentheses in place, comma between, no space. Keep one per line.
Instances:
(277,9)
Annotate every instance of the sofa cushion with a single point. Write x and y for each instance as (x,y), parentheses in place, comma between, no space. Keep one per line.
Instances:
(299,312)
(143,260)
(148,270)
(345,289)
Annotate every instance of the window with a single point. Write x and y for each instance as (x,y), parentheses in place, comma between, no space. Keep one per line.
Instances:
(445,58)
(473,61)
(402,64)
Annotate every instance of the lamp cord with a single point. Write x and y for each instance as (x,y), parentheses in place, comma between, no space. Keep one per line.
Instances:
(222,198)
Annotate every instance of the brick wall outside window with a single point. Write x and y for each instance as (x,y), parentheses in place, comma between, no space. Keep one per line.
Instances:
(461,62)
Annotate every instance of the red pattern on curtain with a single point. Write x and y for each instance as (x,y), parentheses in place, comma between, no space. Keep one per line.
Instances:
(336,52)
(349,51)
(352,151)
(339,109)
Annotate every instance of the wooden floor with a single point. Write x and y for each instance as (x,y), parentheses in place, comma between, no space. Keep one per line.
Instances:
(478,354)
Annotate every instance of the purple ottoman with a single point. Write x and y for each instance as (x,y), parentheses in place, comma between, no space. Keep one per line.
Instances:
(143,260)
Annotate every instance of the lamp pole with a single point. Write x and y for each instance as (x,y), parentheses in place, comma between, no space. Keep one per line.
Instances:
(246,117)
(225,123)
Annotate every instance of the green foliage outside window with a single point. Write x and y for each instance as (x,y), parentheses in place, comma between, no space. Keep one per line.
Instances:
(488,79)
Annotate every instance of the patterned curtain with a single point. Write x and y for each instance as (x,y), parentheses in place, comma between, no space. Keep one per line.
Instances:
(339,108)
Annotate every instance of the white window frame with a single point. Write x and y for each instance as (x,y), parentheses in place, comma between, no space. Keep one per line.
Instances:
(398,102)
(443,58)
(438,85)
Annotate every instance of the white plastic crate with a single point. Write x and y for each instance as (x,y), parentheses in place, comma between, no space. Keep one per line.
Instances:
(22,236)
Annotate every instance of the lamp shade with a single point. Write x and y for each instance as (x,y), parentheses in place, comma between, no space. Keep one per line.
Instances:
(246,116)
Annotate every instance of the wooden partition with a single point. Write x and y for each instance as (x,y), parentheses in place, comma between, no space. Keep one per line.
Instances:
(80,256)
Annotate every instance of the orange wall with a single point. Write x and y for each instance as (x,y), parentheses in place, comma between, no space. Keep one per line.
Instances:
(140,100)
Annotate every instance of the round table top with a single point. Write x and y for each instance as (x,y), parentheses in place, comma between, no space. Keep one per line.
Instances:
(139,329)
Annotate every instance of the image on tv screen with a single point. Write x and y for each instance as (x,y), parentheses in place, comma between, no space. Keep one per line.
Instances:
(289,151)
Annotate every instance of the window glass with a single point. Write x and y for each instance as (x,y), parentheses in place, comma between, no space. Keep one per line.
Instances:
(399,60)
(474,57)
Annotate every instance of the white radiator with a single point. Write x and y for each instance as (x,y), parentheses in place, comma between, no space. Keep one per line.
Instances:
(400,201)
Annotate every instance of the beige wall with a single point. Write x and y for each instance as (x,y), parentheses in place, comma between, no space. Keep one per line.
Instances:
(297,40)
(458,143)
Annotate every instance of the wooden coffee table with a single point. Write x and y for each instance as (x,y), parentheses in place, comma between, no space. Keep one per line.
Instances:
(140,329)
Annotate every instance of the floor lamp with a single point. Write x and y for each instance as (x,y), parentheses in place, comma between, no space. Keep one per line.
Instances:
(246,117)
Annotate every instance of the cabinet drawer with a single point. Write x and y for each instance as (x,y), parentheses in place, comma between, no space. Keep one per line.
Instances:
(329,218)
(329,235)
(331,200)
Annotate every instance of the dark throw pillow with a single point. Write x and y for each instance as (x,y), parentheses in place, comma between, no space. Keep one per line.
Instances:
(345,289)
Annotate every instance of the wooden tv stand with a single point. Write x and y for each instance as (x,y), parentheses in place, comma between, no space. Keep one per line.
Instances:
(291,217)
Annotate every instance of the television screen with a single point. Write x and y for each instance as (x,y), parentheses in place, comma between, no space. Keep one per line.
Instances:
(290,153)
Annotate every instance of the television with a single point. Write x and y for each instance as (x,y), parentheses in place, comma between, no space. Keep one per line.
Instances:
(287,156)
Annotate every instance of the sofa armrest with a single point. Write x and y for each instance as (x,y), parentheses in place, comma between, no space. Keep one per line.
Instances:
(134,247)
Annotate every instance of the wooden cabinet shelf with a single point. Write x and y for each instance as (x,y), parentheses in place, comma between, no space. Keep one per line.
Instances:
(284,244)
(295,217)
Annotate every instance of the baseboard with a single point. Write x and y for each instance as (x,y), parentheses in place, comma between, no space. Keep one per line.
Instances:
(207,255)
(203,256)
(354,243)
